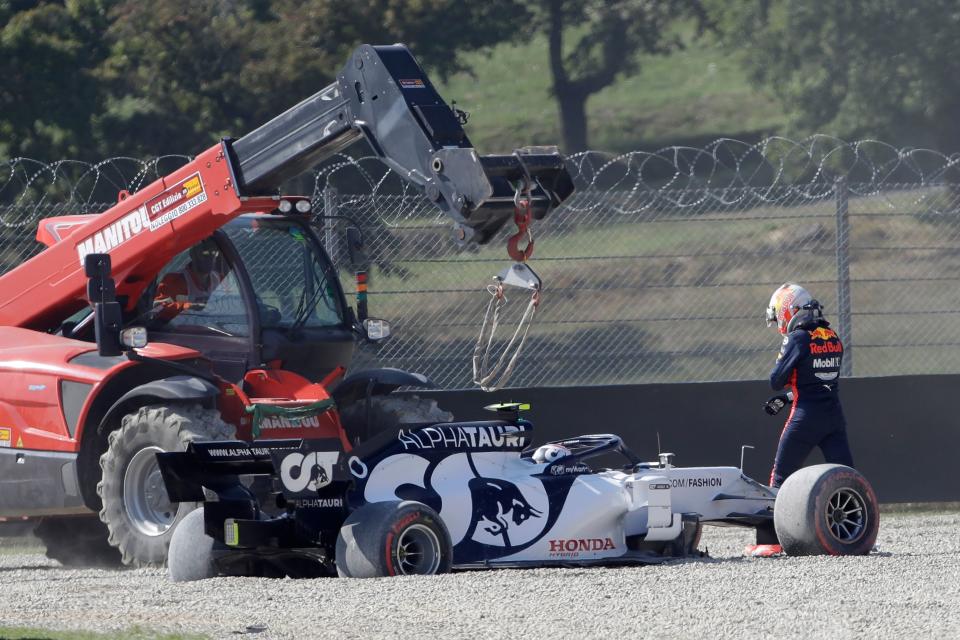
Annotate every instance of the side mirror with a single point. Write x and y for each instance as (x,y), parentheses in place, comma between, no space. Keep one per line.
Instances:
(112,339)
(375,329)
(101,291)
(107,321)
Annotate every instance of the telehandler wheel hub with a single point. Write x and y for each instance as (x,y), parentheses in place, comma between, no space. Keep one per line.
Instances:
(144,496)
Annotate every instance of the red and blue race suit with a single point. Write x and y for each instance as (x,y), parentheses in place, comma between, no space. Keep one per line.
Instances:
(809,366)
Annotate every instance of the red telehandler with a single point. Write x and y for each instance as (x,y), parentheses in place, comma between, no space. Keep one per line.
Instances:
(249,331)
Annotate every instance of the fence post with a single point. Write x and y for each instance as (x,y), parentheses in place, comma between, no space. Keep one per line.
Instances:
(841,194)
(330,207)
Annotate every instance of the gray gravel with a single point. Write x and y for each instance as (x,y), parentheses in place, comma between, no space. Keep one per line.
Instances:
(910,589)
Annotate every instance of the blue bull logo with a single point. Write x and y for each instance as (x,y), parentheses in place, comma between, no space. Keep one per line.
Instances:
(497,503)
(318,478)
(488,517)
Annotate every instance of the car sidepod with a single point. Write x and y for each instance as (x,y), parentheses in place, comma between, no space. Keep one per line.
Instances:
(499,507)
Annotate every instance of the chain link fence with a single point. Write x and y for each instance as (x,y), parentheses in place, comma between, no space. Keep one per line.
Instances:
(659,267)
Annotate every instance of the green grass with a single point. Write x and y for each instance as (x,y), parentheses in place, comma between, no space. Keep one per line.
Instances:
(679,233)
(919,508)
(643,283)
(692,96)
(29,545)
(25,633)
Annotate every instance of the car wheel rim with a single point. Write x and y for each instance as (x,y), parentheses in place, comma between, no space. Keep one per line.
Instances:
(846,516)
(418,551)
(144,495)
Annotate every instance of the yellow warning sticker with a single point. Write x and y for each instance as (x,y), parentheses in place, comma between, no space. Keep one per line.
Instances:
(176,201)
(19,442)
(4,436)
(192,187)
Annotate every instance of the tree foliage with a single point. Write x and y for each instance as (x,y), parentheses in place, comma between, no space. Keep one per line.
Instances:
(594,42)
(95,78)
(437,31)
(183,73)
(875,68)
(49,53)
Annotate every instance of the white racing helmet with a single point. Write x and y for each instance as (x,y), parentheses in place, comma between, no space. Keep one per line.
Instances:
(550,453)
(790,306)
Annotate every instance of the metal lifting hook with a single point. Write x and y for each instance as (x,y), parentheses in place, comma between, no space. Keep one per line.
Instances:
(492,376)
(522,217)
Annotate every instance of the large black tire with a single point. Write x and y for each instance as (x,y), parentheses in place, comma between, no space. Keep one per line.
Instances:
(393,538)
(139,515)
(388,413)
(826,509)
(191,550)
(77,542)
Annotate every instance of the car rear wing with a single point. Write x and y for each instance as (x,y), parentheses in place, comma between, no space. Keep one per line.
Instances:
(216,465)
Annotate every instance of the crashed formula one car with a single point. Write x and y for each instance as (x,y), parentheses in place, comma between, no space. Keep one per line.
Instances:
(431,498)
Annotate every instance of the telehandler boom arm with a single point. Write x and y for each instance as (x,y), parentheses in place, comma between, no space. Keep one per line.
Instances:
(382,94)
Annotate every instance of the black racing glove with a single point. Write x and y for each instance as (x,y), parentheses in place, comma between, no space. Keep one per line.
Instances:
(776,403)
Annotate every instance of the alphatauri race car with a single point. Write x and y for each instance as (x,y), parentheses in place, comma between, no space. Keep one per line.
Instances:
(429,498)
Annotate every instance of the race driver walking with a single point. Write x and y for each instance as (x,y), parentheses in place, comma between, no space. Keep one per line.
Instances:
(808,371)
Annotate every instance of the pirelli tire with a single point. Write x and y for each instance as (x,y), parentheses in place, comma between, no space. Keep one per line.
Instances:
(393,538)
(826,509)
(77,541)
(191,550)
(139,516)
(388,413)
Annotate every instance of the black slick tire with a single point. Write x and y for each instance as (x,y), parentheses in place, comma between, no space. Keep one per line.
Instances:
(393,538)
(826,509)
(136,510)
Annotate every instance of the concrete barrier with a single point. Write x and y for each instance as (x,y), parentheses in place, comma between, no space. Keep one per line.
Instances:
(903,430)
